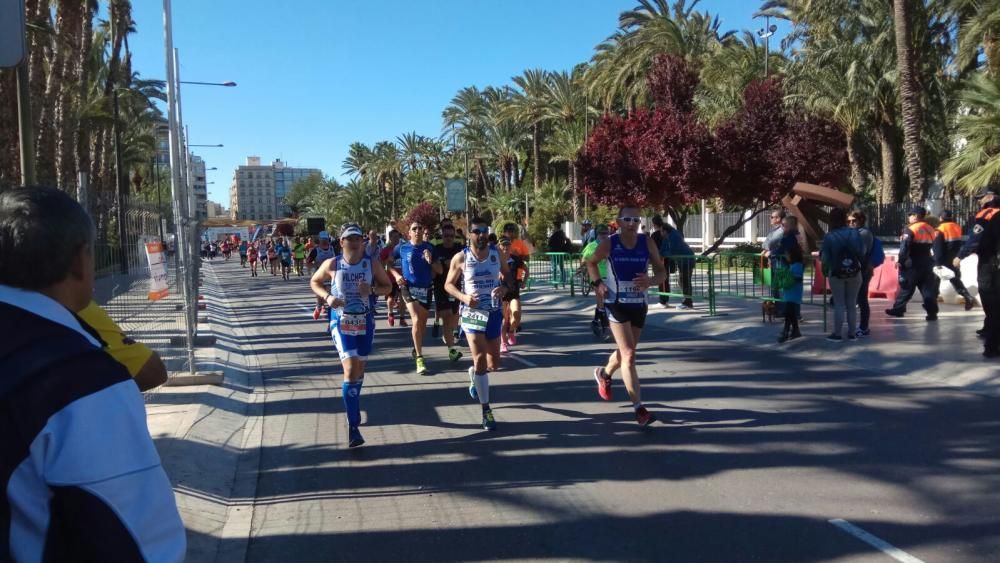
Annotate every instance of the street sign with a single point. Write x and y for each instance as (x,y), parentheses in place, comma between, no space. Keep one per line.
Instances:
(455,194)
(12,42)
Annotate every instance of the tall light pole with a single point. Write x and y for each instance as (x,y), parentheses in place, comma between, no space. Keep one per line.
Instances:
(765,33)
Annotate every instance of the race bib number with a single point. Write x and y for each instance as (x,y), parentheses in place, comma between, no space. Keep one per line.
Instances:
(629,293)
(354,324)
(475,320)
(419,293)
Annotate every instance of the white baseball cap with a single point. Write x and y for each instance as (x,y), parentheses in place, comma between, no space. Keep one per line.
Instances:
(351,230)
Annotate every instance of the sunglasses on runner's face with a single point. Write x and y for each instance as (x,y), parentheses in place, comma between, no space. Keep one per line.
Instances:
(630,219)
(480,231)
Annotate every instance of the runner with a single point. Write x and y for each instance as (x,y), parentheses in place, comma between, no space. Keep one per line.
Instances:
(599,326)
(393,300)
(519,256)
(354,280)
(243,253)
(227,250)
(445,305)
(299,253)
(272,257)
(415,280)
(310,244)
(485,278)
(262,255)
(317,256)
(285,255)
(252,255)
(373,246)
(629,255)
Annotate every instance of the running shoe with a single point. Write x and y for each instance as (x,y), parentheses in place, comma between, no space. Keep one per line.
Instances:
(421,366)
(488,422)
(512,338)
(603,384)
(683,307)
(355,437)
(862,332)
(454,355)
(644,417)
(392,320)
(472,383)
(835,338)
(316,313)
(503,346)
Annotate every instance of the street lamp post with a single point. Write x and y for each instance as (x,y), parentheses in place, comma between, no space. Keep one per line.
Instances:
(765,33)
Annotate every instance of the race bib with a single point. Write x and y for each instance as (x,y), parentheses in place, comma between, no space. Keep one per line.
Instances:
(419,293)
(475,320)
(629,293)
(354,324)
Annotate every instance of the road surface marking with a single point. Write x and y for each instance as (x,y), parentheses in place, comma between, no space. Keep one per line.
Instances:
(883,546)
(524,361)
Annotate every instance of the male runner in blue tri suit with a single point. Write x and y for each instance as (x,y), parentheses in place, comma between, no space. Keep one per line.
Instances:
(485,280)
(629,255)
(416,281)
(354,280)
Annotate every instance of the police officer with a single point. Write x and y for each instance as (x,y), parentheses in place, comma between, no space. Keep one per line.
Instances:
(984,241)
(916,266)
(947,243)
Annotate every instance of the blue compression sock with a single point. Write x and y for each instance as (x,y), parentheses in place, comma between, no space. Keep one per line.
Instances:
(352,402)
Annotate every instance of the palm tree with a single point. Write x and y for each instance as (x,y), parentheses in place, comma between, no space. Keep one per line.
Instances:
(565,145)
(980,27)
(909,93)
(529,107)
(976,161)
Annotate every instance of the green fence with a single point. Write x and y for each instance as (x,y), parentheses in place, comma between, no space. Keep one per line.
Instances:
(702,279)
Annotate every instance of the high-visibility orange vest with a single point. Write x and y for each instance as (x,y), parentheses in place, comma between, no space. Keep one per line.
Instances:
(951,231)
(923,233)
(987,213)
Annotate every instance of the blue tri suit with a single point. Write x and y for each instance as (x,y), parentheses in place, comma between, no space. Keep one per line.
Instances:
(416,271)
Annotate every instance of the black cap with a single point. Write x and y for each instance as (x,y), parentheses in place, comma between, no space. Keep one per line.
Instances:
(947,215)
(918,211)
(989,191)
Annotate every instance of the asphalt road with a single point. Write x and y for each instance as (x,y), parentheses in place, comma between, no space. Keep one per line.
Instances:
(754,456)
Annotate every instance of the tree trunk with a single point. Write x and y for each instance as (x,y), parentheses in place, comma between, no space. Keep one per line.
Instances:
(10,161)
(38,16)
(909,100)
(887,191)
(536,154)
(81,137)
(67,124)
(45,148)
(857,175)
(576,200)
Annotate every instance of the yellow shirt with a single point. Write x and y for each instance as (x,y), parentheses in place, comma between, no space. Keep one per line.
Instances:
(126,351)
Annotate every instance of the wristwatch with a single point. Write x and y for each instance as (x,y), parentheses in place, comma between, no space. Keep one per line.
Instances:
(595,283)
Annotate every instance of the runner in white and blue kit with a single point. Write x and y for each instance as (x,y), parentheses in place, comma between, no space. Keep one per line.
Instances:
(416,281)
(485,278)
(317,256)
(354,280)
(629,255)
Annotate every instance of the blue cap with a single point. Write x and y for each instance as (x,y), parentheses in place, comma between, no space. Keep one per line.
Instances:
(324,235)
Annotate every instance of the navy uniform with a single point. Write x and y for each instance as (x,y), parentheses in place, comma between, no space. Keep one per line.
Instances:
(984,241)
(916,266)
(947,244)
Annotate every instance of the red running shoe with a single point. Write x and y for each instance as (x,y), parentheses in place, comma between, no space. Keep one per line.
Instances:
(392,320)
(316,313)
(644,417)
(603,384)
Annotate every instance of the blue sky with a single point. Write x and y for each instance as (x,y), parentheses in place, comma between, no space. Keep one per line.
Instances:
(316,75)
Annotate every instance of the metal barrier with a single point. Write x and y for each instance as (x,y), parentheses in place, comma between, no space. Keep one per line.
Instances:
(696,278)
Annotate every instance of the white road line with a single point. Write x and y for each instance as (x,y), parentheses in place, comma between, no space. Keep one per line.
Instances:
(524,361)
(883,546)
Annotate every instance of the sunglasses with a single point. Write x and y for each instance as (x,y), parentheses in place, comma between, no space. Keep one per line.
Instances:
(482,231)
(630,219)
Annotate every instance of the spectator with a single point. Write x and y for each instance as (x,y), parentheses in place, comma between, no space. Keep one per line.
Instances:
(657,236)
(677,248)
(872,259)
(143,364)
(587,234)
(793,293)
(559,242)
(790,235)
(80,475)
(772,251)
(842,254)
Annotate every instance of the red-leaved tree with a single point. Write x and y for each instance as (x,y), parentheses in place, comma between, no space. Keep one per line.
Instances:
(664,158)
(425,214)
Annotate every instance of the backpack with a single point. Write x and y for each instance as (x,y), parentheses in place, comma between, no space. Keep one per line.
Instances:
(877,256)
(847,264)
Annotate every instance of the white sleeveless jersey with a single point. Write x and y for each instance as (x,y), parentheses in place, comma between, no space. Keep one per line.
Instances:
(346,280)
(481,278)
(324,255)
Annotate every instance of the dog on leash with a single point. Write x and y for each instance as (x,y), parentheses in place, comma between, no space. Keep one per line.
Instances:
(767,311)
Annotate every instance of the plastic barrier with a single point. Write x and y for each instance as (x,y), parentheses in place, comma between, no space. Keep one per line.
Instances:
(885,280)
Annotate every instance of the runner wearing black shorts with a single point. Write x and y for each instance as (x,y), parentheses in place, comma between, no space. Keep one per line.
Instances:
(446,304)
